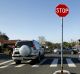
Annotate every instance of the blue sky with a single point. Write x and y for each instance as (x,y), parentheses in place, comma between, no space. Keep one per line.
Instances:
(29,19)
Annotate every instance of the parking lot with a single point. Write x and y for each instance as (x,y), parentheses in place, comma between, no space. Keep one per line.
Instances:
(48,65)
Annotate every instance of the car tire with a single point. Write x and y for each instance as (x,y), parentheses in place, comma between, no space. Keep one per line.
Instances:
(18,61)
(39,58)
(42,56)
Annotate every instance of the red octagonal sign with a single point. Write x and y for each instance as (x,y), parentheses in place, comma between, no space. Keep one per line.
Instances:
(62,10)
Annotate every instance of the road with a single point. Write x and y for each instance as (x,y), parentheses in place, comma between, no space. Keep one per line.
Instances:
(48,65)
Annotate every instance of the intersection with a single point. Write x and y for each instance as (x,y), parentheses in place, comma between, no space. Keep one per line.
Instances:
(48,65)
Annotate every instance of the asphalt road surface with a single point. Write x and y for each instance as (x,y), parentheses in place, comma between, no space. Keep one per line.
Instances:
(48,65)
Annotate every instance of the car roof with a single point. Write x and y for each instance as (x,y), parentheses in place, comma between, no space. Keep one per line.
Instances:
(26,40)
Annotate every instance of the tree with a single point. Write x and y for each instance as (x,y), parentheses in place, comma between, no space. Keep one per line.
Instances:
(79,41)
(3,36)
(42,40)
(73,44)
(65,44)
(49,44)
(68,45)
(56,45)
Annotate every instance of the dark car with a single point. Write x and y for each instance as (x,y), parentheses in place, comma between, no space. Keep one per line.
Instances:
(75,50)
(66,51)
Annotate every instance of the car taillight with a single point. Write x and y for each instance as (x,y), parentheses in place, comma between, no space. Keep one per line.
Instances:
(33,47)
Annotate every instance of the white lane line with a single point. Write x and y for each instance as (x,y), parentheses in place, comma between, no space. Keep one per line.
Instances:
(70,63)
(20,65)
(28,61)
(35,66)
(54,63)
(39,63)
(5,62)
(12,63)
(4,66)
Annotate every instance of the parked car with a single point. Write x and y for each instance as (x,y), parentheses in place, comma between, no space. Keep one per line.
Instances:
(75,50)
(56,51)
(79,56)
(66,51)
(27,50)
(69,51)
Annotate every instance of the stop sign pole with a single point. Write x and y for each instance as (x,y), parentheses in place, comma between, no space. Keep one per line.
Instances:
(62,10)
(62,49)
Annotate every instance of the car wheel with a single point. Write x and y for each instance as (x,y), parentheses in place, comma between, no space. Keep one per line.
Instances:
(42,56)
(39,58)
(18,61)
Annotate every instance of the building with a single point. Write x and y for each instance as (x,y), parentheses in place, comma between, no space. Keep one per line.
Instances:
(7,44)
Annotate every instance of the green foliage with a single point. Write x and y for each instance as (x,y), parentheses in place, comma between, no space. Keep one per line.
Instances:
(65,45)
(3,36)
(73,44)
(52,46)
(56,45)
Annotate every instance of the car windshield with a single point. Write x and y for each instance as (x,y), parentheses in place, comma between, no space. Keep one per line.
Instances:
(28,43)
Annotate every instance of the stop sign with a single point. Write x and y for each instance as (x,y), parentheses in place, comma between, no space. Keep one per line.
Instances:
(62,10)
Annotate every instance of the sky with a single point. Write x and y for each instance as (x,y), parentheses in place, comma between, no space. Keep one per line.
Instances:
(29,19)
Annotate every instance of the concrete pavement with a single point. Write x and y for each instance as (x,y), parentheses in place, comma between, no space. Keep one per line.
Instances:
(48,65)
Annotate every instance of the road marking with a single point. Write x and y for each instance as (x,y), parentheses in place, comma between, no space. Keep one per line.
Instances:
(39,63)
(35,66)
(20,65)
(43,61)
(5,62)
(4,66)
(70,63)
(54,63)
(12,63)
(28,61)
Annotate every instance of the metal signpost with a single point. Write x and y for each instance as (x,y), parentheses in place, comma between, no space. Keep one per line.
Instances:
(62,10)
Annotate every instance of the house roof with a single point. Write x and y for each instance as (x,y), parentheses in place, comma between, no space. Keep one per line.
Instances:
(76,46)
(8,41)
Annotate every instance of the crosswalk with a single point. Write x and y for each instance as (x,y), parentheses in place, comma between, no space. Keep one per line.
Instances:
(70,63)
(5,62)
(53,63)
(20,65)
(37,65)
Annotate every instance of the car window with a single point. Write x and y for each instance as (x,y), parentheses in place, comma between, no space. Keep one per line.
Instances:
(37,45)
(29,43)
